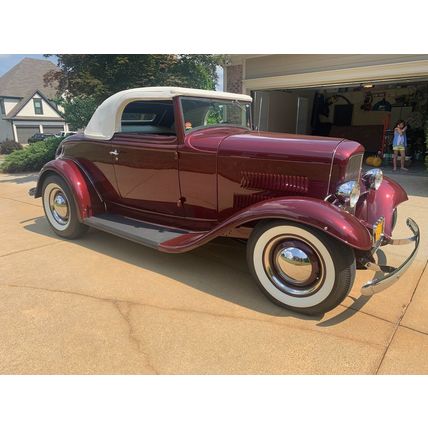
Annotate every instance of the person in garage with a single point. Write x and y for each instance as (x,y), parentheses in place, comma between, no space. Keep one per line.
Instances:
(399,144)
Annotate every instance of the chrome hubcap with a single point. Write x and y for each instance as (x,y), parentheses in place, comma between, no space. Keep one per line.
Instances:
(293,266)
(59,207)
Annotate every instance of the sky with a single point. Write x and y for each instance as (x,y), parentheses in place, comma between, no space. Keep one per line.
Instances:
(7,61)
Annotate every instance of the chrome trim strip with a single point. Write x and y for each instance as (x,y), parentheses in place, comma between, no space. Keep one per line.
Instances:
(376,285)
(331,165)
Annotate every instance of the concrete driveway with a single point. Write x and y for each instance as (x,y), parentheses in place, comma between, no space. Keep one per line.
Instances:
(105,305)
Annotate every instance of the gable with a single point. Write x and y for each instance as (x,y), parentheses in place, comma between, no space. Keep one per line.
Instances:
(28,108)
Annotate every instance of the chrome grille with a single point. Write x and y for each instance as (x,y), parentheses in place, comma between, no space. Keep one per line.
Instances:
(353,169)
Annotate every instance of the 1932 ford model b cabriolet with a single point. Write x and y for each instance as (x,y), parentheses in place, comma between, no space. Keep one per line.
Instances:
(173,168)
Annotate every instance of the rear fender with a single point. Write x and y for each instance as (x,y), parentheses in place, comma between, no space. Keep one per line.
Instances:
(86,198)
(311,212)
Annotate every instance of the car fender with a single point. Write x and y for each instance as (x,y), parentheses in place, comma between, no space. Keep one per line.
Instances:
(316,213)
(87,200)
(381,203)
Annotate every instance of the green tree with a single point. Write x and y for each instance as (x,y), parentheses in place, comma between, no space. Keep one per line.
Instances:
(78,110)
(84,81)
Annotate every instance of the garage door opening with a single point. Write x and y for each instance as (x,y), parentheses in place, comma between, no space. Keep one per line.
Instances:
(364,113)
(25,132)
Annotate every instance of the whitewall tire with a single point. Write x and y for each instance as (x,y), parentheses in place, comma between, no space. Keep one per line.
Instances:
(300,268)
(60,208)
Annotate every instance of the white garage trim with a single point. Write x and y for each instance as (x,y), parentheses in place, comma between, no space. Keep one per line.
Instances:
(378,73)
(15,133)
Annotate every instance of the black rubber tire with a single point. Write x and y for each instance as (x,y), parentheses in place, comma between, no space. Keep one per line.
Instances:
(75,229)
(344,265)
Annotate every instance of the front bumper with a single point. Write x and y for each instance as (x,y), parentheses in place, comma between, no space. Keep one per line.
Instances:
(391,274)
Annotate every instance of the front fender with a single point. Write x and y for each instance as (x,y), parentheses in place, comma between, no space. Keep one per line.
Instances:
(86,201)
(381,203)
(312,212)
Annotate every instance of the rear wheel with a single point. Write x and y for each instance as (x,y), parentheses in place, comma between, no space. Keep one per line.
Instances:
(300,268)
(60,208)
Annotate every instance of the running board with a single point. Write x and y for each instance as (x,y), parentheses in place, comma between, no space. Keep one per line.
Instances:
(148,234)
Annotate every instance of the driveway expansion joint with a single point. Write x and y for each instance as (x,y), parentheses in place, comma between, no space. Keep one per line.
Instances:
(31,249)
(21,202)
(198,312)
(398,323)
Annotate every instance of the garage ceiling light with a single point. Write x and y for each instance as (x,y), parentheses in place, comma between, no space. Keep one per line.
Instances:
(368,86)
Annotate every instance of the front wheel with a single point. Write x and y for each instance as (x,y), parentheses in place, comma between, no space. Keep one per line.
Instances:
(300,268)
(60,209)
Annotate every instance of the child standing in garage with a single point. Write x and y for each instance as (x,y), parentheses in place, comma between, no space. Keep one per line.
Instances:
(399,143)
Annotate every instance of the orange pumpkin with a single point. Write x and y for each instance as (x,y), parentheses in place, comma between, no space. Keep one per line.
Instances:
(377,161)
(369,160)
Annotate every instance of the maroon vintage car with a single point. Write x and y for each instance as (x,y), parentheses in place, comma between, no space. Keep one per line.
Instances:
(174,168)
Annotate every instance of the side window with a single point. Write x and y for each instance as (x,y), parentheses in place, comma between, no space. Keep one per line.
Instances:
(149,117)
(38,106)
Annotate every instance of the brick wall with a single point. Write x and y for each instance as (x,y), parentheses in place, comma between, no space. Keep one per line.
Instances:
(234,79)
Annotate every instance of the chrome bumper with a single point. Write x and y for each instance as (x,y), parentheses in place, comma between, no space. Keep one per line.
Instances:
(391,274)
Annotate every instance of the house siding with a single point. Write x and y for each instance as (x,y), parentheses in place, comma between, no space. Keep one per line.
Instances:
(280,65)
(6,131)
(10,103)
(261,72)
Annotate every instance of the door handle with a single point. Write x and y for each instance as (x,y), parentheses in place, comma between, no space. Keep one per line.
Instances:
(114,152)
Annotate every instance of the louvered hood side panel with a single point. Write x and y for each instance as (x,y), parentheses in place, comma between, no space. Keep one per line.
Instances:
(254,166)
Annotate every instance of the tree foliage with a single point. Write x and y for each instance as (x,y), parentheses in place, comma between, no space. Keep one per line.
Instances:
(84,81)
(90,79)
(78,110)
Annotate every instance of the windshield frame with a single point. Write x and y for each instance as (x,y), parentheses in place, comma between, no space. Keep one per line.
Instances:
(240,104)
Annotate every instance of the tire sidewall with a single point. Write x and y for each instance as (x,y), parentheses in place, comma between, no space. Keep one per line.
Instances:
(73,228)
(338,262)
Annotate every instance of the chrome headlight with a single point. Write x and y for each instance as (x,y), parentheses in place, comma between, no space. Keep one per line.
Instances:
(349,193)
(373,178)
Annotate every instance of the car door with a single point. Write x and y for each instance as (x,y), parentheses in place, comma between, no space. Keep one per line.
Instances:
(146,161)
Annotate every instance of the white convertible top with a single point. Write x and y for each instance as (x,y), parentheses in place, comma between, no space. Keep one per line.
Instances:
(107,117)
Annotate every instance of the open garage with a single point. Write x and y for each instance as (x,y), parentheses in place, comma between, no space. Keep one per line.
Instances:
(359,97)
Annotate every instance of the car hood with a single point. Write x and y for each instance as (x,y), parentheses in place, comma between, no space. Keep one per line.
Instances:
(269,145)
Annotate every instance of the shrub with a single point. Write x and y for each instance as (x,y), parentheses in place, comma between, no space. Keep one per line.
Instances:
(32,157)
(9,146)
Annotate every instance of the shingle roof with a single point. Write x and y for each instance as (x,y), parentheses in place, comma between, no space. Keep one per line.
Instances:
(27,76)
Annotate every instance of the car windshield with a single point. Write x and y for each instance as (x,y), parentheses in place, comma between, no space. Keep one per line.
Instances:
(206,112)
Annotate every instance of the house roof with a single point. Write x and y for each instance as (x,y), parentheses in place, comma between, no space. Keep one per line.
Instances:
(107,117)
(26,76)
(24,101)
